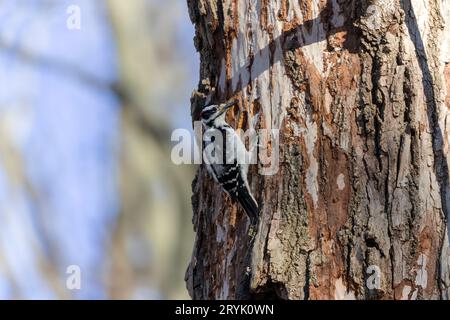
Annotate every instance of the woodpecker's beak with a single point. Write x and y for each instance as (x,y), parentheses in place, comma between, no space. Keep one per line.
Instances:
(225,106)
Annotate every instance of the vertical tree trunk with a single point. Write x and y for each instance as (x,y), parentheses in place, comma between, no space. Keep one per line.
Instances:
(360,92)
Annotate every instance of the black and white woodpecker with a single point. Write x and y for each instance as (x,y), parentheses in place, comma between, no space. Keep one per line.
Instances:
(226,157)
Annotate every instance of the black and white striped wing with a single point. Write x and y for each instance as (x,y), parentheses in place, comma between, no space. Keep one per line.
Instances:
(231,179)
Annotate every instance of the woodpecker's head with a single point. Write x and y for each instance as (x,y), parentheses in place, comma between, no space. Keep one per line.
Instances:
(213,112)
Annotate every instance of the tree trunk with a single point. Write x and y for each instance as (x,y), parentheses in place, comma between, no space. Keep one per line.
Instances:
(359,91)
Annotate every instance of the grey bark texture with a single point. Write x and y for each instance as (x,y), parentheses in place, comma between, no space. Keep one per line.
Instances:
(359,91)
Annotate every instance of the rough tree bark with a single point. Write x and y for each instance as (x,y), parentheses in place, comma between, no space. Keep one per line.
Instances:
(360,92)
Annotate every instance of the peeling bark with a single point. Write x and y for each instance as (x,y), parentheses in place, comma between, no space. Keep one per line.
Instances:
(359,91)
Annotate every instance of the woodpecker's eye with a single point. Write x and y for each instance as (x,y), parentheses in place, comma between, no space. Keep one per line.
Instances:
(207,114)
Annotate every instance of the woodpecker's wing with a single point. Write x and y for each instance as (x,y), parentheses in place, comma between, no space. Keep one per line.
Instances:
(231,170)
(232,179)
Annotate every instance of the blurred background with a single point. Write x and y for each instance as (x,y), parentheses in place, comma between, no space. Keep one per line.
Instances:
(87,107)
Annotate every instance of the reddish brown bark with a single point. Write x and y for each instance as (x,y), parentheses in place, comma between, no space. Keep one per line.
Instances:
(358,92)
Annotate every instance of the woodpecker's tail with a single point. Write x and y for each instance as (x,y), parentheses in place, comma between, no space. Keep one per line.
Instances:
(249,204)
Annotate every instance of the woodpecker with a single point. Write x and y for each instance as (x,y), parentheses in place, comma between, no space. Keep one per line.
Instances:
(227,157)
